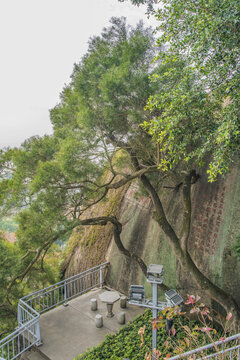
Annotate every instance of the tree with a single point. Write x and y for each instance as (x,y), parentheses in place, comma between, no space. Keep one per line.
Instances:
(15,264)
(205,36)
(51,181)
(8,260)
(57,178)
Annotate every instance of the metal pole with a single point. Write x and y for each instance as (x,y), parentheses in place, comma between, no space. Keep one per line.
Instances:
(101,277)
(39,342)
(154,314)
(19,315)
(65,294)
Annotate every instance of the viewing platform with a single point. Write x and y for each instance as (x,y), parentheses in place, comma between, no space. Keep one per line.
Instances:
(57,323)
(68,331)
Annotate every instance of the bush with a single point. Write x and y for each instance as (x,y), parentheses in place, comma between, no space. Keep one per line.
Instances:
(126,343)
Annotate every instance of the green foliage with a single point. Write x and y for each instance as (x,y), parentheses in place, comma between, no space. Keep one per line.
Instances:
(112,79)
(9,260)
(13,264)
(199,107)
(193,335)
(188,118)
(134,340)
(207,34)
(51,181)
(126,343)
(8,224)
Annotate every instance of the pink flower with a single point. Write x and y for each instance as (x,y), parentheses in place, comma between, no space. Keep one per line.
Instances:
(205,311)
(223,338)
(229,315)
(191,300)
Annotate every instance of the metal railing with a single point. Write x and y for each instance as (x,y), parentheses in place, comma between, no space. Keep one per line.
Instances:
(228,349)
(65,290)
(20,340)
(31,306)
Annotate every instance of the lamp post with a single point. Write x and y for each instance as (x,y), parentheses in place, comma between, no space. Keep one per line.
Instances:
(155,277)
(137,297)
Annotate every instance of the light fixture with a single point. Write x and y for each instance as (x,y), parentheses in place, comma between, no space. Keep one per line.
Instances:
(136,293)
(155,273)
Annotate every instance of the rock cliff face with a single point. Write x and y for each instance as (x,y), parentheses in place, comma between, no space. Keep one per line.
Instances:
(215,226)
(88,245)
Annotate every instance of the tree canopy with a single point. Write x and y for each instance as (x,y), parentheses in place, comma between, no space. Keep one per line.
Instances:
(200,112)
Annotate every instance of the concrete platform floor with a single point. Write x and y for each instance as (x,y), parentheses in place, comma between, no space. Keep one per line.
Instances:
(69,331)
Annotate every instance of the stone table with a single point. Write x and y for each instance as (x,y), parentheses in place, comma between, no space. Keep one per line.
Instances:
(109,297)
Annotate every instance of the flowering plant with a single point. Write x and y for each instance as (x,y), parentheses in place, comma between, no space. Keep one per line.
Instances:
(186,337)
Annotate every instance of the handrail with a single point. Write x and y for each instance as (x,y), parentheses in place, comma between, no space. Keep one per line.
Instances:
(61,292)
(14,332)
(210,346)
(31,306)
(20,340)
(63,281)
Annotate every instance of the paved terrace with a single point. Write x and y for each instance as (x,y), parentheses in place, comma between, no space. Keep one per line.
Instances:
(69,331)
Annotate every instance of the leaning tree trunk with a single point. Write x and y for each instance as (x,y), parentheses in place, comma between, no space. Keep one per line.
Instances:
(179,246)
(117,238)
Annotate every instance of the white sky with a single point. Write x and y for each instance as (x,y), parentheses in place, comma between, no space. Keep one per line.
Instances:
(40,40)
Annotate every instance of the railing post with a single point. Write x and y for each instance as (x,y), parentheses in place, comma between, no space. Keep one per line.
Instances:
(19,315)
(65,294)
(101,277)
(38,334)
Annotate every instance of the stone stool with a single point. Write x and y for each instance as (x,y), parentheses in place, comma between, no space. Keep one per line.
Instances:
(98,321)
(93,304)
(121,318)
(123,302)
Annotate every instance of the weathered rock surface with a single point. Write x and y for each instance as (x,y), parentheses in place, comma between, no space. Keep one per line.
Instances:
(215,226)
